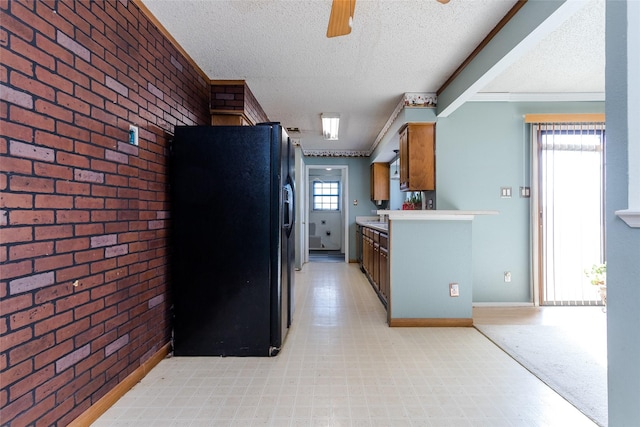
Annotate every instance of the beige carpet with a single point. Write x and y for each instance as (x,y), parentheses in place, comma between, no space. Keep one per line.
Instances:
(570,358)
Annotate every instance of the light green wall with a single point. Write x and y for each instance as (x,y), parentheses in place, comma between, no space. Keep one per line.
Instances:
(425,257)
(358,181)
(623,242)
(480,148)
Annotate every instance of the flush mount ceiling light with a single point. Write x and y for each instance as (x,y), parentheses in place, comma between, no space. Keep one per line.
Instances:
(330,123)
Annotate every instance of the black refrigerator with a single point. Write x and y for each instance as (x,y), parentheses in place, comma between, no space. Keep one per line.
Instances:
(232,239)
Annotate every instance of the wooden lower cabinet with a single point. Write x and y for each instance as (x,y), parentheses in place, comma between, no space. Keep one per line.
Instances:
(375,261)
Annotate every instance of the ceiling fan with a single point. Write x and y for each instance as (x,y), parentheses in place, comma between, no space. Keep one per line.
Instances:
(341,18)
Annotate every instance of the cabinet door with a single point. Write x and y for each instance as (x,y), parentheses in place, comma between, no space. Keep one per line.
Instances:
(375,276)
(417,157)
(404,159)
(379,184)
(384,273)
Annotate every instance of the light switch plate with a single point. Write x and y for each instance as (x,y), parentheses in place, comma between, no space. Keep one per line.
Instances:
(505,192)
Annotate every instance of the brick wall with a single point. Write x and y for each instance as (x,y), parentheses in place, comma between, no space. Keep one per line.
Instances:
(83,214)
(237,97)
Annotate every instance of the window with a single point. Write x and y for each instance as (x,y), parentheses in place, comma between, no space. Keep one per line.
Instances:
(326,196)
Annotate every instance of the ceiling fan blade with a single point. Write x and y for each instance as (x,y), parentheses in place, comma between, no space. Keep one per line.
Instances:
(443,1)
(341,11)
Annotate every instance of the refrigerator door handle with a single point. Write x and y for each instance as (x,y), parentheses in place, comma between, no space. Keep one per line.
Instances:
(289,211)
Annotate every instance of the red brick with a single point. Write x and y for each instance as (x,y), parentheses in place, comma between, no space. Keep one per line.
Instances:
(53,202)
(117,180)
(11,164)
(15,269)
(71,131)
(104,315)
(96,332)
(16,407)
(73,103)
(35,21)
(104,216)
(11,340)
(30,217)
(32,86)
(53,292)
(108,264)
(17,372)
(116,227)
(14,200)
(52,262)
(17,62)
(89,203)
(31,348)
(71,216)
(52,171)
(52,323)
(76,188)
(103,290)
(51,386)
(34,314)
(103,191)
(72,160)
(88,229)
(31,118)
(55,80)
(71,245)
(53,110)
(35,412)
(116,321)
(116,204)
(14,26)
(88,256)
(16,234)
(54,141)
(53,231)
(72,273)
(92,98)
(31,184)
(72,330)
(89,150)
(74,13)
(72,301)
(69,390)
(30,250)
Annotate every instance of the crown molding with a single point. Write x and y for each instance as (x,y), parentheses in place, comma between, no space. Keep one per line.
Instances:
(335,153)
(538,97)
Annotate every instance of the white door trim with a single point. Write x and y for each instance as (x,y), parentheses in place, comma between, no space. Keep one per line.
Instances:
(344,169)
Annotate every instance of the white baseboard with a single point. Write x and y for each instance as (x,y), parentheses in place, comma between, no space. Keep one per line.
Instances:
(503,304)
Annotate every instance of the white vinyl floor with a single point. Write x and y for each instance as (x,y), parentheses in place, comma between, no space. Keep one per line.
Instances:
(341,365)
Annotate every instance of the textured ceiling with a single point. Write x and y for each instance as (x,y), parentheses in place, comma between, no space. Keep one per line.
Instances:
(280,48)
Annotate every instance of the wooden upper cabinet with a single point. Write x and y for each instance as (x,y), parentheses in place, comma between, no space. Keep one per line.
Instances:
(379,181)
(418,157)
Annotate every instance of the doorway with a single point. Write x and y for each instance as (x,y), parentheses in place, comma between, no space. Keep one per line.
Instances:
(570,211)
(327,210)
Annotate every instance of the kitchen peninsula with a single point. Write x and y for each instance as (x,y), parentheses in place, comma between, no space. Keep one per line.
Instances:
(426,252)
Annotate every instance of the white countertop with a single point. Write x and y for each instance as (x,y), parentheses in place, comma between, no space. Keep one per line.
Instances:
(434,215)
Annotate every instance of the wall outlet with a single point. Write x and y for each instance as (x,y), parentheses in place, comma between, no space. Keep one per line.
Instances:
(454,290)
(507,276)
(133,135)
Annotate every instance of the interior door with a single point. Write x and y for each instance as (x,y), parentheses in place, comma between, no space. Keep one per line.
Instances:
(571,211)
